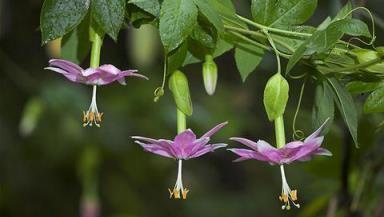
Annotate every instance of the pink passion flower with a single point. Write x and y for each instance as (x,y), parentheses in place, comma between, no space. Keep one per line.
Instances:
(102,75)
(184,146)
(293,151)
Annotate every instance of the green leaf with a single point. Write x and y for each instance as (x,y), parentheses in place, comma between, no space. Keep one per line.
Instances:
(276,96)
(346,107)
(323,107)
(150,6)
(206,8)
(355,27)
(375,102)
(224,8)
(247,58)
(177,57)
(344,11)
(359,87)
(177,20)
(320,41)
(109,14)
(282,13)
(178,84)
(75,46)
(59,17)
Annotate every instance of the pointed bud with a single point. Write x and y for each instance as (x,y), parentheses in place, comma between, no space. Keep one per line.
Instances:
(365,55)
(276,96)
(178,84)
(210,75)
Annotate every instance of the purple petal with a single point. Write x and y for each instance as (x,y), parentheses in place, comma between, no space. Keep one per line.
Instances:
(246,154)
(66,65)
(109,69)
(156,149)
(322,151)
(132,73)
(317,132)
(265,149)
(185,138)
(215,129)
(245,141)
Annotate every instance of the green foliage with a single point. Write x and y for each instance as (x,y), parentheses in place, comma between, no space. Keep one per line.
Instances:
(276,95)
(178,84)
(59,17)
(75,46)
(150,6)
(282,13)
(206,8)
(323,107)
(358,87)
(375,101)
(247,58)
(177,21)
(109,14)
(346,107)
(365,55)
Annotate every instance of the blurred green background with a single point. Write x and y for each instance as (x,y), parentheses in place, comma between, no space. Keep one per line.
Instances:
(42,140)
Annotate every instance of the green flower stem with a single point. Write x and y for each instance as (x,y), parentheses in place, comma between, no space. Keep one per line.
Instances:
(285,32)
(276,51)
(358,66)
(280,132)
(96,49)
(258,34)
(181,121)
(257,44)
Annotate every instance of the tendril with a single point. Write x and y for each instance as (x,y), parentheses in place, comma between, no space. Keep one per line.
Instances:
(298,134)
(159,92)
(372,23)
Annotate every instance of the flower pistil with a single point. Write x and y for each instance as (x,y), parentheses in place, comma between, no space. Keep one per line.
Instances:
(178,188)
(92,115)
(287,196)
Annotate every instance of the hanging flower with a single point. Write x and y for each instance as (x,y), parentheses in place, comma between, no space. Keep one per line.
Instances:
(293,151)
(184,147)
(102,75)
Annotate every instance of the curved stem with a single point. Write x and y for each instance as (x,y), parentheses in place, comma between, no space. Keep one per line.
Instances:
(276,51)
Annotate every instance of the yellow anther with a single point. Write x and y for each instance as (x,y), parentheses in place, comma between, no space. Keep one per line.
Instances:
(99,116)
(184,192)
(85,116)
(283,198)
(293,195)
(170,193)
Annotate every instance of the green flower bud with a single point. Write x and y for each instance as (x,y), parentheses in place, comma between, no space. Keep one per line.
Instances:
(365,55)
(178,84)
(210,75)
(276,95)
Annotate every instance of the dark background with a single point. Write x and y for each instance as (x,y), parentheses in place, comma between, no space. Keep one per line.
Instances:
(42,140)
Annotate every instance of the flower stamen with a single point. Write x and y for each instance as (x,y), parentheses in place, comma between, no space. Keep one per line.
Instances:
(288,196)
(92,116)
(178,188)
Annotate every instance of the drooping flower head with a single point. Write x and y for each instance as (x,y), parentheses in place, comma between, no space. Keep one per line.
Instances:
(293,151)
(102,75)
(184,146)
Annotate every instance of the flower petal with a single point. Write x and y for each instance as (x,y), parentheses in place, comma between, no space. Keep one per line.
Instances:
(66,65)
(246,154)
(215,129)
(317,132)
(156,149)
(246,142)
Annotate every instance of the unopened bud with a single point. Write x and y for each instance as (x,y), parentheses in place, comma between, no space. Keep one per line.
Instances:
(365,55)
(178,84)
(209,74)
